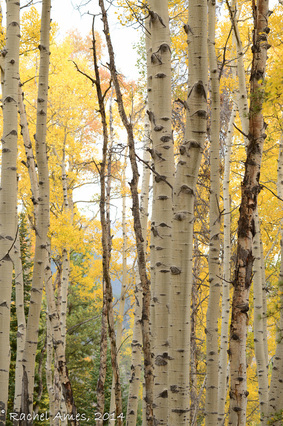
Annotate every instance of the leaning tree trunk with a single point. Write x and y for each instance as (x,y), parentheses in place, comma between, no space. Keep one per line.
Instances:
(8,192)
(148,368)
(183,219)
(161,225)
(42,223)
(212,315)
(246,228)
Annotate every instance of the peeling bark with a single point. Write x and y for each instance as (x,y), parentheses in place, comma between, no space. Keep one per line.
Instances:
(246,228)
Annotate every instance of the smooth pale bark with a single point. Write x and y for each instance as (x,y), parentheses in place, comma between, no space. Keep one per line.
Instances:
(59,345)
(148,45)
(241,91)
(213,311)
(136,360)
(223,379)
(148,368)
(8,192)
(119,327)
(42,223)
(21,323)
(194,347)
(49,374)
(259,343)
(106,244)
(275,398)
(246,227)
(183,220)
(30,161)
(161,223)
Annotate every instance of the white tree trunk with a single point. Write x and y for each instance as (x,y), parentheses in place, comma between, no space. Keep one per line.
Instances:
(8,192)
(136,360)
(21,323)
(275,398)
(161,224)
(183,220)
(42,223)
(259,325)
(213,312)
(223,379)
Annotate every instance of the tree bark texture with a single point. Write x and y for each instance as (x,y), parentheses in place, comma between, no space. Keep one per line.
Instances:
(225,308)
(8,191)
(161,224)
(246,227)
(183,219)
(213,311)
(42,223)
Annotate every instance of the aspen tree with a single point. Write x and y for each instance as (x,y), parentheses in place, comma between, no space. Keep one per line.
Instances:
(246,227)
(183,219)
(8,191)
(275,397)
(119,331)
(21,323)
(225,308)
(49,376)
(241,91)
(161,224)
(259,343)
(106,247)
(214,231)
(148,368)
(42,223)
(59,345)
(136,360)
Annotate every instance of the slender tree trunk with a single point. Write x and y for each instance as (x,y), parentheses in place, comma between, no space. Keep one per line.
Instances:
(275,397)
(241,91)
(8,192)
(106,247)
(122,300)
(213,312)
(21,322)
(148,368)
(49,374)
(161,225)
(222,380)
(246,228)
(42,223)
(136,361)
(194,346)
(183,220)
(259,343)
(59,344)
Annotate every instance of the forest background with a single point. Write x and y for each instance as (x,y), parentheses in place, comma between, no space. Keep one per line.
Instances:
(120,312)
